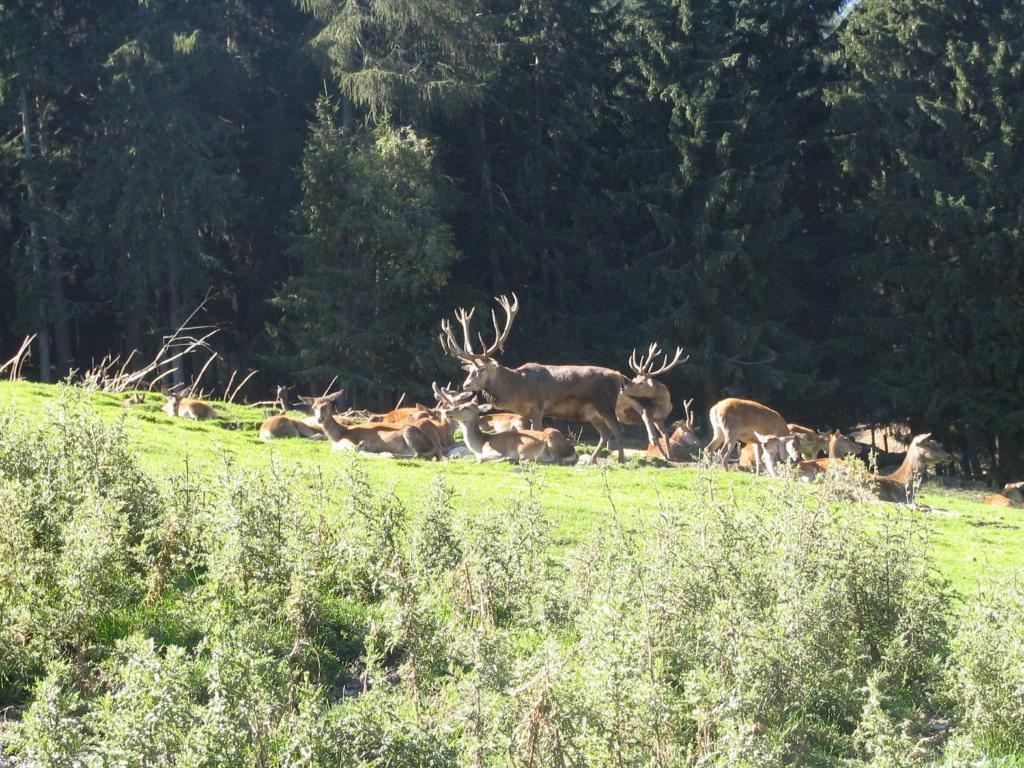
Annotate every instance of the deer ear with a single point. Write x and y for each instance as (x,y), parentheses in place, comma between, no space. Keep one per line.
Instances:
(332,397)
(307,400)
(922,438)
(762,438)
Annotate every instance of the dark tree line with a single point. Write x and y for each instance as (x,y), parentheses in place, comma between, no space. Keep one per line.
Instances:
(828,218)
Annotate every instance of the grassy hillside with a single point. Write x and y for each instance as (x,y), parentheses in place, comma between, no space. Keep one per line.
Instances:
(973,543)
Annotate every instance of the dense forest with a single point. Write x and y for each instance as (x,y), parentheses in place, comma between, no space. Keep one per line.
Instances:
(821,202)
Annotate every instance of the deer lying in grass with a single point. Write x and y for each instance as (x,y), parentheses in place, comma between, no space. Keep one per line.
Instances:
(899,486)
(839,446)
(734,421)
(503,421)
(647,401)
(391,440)
(280,427)
(683,444)
(187,408)
(535,445)
(571,392)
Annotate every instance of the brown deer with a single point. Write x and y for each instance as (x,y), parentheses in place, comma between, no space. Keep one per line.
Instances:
(683,444)
(839,446)
(571,392)
(280,427)
(812,441)
(899,486)
(644,400)
(407,440)
(734,421)
(503,421)
(187,408)
(511,444)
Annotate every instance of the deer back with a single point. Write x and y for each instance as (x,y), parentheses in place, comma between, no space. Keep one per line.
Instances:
(742,418)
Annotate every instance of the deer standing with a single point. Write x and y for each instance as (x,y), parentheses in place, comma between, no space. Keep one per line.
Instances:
(645,399)
(571,392)
(734,421)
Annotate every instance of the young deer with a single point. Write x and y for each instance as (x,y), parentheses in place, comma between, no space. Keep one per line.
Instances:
(187,408)
(279,427)
(898,486)
(772,449)
(811,440)
(394,440)
(839,445)
(535,445)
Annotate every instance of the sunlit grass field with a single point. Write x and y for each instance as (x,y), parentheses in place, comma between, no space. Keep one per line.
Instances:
(973,544)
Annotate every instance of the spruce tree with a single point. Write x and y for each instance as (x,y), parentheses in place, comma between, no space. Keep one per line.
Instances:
(928,129)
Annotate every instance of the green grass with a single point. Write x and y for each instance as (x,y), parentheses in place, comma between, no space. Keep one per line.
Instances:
(973,543)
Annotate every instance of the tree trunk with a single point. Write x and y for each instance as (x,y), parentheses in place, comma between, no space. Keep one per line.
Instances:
(487,194)
(58,304)
(54,267)
(35,246)
(174,320)
(1010,467)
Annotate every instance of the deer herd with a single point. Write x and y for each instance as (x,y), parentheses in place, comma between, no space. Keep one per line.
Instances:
(500,412)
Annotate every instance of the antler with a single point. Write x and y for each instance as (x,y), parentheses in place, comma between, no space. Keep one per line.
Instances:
(465,350)
(687,404)
(644,366)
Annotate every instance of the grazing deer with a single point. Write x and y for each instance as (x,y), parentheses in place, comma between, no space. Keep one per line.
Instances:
(571,392)
(646,400)
(408,440)
(513,444)
(898,486)
(683,444)
(735,421)
(839,446)
(812,441)
(187,408)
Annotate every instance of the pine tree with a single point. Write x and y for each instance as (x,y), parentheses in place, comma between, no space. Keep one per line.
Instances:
(375,252)
(738,89)
(928,128)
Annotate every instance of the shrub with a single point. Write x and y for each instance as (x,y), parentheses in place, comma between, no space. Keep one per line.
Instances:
(986,671)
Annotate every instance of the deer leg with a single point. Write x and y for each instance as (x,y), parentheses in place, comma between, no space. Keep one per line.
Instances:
(616,429)
(654,434)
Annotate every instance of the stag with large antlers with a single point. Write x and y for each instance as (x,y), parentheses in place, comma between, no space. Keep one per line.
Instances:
(571,392)
(647,401)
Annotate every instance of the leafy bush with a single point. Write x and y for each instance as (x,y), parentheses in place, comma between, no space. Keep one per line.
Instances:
(986,671)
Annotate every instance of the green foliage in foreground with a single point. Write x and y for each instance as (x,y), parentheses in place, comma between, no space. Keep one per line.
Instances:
(237,617)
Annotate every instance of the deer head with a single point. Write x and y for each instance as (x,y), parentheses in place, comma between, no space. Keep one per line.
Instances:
(457,406)
(929,451)
(478,365)
(323,407)
(644,369)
